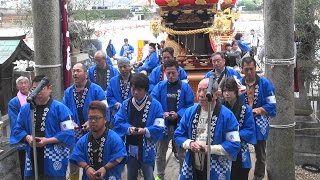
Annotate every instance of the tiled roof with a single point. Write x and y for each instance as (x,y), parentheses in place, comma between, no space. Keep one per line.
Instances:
(7,47)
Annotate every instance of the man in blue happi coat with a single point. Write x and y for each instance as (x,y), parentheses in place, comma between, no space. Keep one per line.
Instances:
(101,152)
(158,74)
(247,130)
(77,98)
(14,105)
(101,73)
(175,97)
(119,87)
(140,121)
(126,50)
(54,134)
(151,61)
(260,96)
(219,70)
(192,134)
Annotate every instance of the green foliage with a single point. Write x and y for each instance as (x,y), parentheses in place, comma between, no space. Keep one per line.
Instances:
(251,5)
(107,14)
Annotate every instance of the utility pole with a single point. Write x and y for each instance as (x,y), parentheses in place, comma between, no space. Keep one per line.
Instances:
(279,47)
(47,43)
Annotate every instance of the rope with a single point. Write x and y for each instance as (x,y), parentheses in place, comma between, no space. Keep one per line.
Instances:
(281,62)
(283,126)
(188,32)
(47,66)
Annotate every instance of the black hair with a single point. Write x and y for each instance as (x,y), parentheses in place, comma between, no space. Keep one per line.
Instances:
(248,60)
(140,80)
(100,106)
(171,63)
(238,36)
(38,78)
(229,84)
(169,50)
(233,42)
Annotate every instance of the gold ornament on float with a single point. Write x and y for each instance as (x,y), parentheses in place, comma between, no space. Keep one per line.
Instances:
(200,2)
(155,26)
(172,2)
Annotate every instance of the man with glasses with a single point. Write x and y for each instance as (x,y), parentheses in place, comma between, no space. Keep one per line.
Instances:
(219,70)
(101,152)
(54,134)
(77,98)
(158,74)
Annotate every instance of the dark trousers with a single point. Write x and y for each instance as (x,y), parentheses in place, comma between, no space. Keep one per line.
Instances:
(260,166)
(22,160)
(237,172)
(200,175)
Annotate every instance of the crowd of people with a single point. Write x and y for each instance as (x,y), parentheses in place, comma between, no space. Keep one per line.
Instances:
(111,118)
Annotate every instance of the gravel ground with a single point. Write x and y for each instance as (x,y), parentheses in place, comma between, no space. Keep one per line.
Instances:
(302,174)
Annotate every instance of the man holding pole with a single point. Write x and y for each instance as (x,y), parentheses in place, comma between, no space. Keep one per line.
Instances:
(53,135)
(192,134)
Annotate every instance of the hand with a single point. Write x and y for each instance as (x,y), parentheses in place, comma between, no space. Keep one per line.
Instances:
(41,141)
(28,139)
(75,125)
(195,147)
(90,173)
(203,149)
(144,72)
(258,111)
(102,172)
(173,115)
(85,126)
(117,105)
(137,131)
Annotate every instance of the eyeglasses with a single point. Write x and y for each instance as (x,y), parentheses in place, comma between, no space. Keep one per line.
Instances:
(95,118)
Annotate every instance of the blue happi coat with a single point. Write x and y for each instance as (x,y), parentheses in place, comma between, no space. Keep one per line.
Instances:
(114,93)
(92,71)
(95,93)
(247,131)
(156,129)
(230,72)
(264,96)
(55,155)
(185,97)
(13,110)
(151,61)
(155,76)
(220,165)
(113,149)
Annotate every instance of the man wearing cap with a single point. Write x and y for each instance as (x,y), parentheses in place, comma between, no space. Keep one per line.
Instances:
(192,135)
(158,74)
(126,49)
(119,87)
(102,72)
(14,105)
(151,61)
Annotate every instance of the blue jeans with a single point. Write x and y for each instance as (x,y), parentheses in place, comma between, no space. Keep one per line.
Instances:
(133,165)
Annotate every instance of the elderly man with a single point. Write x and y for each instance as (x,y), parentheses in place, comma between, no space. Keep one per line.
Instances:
(158,74)
(119,87)
(175,97)
(102,72)
(140,121)
(77,98)
(260,96)
(192,135)
(14,105)
(101,151)
(54,134)
(219,70)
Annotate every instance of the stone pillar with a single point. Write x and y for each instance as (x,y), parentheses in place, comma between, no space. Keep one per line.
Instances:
(47,43)
(279,44)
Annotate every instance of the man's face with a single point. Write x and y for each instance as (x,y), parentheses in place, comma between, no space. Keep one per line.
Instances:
(166,56)
(218,62)
(23,86)
(100,61)
(96,120)
(151,49)
(249,71)
(126,42)
(79,75)
(138,93)
(229,95)
(201,93)
(125,70)
(44,93)
(172,74)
